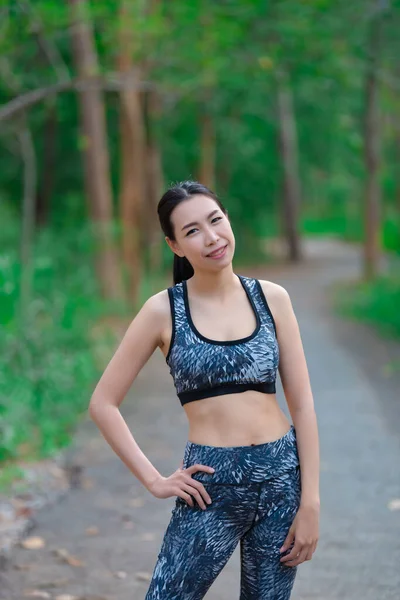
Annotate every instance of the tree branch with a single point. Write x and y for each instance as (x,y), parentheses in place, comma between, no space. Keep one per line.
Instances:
(48,49)
(24,101)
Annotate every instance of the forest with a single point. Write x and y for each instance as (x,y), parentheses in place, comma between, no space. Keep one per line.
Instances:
(289,111)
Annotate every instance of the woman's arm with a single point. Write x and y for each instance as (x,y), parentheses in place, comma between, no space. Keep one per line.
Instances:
(138,344)
(141,339)
(296,384)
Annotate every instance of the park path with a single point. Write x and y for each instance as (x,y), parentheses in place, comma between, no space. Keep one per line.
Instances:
(102,539)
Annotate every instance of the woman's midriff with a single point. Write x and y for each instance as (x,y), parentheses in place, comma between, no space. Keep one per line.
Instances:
(243,419)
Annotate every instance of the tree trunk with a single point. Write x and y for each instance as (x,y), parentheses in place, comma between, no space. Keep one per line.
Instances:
(291,179)
(207,144)
(372,153)
(46,184)
(224,174)
(95,151)
(155,181)
(133,193)
(28,221)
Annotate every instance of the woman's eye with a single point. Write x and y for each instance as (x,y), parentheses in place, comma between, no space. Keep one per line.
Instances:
(212,221)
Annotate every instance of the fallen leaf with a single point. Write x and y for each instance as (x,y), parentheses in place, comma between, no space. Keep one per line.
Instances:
(56,471)
(143,576)
(23,512)
(147,537)
(137,502)
(74,562)
(92,531)
(87,483)
(33,543)
(61,552)
(66,557)
(120,575)
(394,504)
(129,525)
(36,594)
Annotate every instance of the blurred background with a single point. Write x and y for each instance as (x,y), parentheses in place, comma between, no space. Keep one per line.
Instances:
(289,110)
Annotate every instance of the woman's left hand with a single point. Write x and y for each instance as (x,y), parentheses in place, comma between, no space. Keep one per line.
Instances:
(304,531)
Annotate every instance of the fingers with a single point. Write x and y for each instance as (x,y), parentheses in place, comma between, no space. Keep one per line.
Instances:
(187,492)
(196,488)
(289,541)
(186,497)
(298,554)
(195,468)
(292,554)
(297,560)
(197,495)
(200,487)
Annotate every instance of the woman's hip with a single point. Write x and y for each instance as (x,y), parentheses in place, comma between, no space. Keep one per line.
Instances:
(244,464)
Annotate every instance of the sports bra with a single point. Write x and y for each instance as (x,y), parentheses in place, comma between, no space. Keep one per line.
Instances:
(202,367)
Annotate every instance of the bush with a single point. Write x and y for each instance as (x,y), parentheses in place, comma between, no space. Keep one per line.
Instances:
(48,356)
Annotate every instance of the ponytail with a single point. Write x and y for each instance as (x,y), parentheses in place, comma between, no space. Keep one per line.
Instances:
(182,269)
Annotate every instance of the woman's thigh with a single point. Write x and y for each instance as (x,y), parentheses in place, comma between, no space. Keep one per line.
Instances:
(198,543)
(262,573)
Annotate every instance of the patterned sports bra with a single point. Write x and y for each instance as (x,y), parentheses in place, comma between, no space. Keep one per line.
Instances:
(202,367)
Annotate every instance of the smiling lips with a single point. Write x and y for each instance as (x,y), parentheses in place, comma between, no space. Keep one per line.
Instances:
(217,253)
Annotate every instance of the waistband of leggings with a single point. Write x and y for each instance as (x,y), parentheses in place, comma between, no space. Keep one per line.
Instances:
(241,464)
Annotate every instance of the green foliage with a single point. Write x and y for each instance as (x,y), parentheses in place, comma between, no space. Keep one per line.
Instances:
(49,363)
(235,50)
(376,303)
(350,228)
(8,475)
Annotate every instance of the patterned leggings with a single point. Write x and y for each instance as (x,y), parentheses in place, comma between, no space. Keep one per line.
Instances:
(255,493)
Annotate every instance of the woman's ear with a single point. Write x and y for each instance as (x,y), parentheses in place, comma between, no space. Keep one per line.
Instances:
(174,247)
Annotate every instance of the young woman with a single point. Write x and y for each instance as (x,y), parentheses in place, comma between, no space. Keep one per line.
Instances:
(247,474)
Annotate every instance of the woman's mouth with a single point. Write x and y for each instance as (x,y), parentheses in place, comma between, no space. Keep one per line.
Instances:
(218,253)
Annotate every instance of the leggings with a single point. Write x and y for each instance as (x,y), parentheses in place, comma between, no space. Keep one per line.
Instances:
(255,493)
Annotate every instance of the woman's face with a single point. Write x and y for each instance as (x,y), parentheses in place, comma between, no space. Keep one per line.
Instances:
(201,228)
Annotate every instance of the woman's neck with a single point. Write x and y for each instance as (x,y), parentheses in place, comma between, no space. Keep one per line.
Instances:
(220,283)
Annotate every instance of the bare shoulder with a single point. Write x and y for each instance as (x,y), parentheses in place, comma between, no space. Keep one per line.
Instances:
(278,300)
(158,304)
(158,316)
(274,292)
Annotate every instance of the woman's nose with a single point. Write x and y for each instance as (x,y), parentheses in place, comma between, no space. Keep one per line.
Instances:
(211,236)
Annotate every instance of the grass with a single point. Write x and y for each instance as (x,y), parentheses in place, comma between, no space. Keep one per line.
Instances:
(8,475)
(376,303)
(351,229)
(50,361)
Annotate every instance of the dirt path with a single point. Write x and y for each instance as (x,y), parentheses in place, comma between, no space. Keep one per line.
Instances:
(102,539)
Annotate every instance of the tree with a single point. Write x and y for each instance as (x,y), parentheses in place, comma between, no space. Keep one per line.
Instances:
(288,151)
(95,151)
(372,220)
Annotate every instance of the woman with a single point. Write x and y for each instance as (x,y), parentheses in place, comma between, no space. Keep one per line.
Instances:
(247,474)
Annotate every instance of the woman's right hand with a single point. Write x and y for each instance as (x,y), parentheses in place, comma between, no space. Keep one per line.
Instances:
(181,484)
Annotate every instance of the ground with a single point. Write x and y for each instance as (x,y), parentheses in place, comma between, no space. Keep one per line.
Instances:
(102,539)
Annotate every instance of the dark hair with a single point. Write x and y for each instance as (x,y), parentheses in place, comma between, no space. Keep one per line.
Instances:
(170,200)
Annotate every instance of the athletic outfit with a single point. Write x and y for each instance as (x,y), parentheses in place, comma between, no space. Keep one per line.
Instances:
(255,490)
